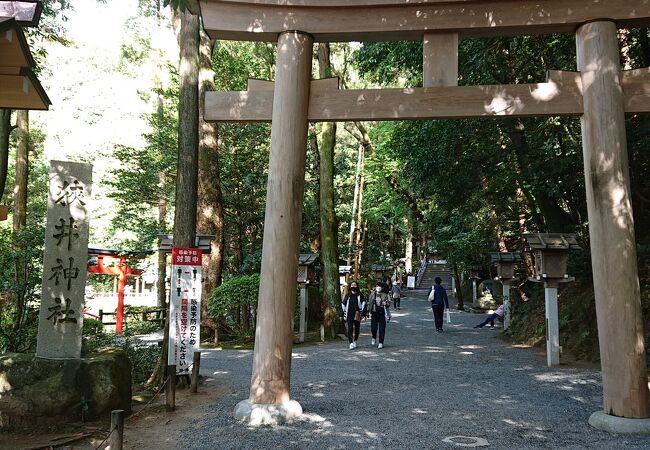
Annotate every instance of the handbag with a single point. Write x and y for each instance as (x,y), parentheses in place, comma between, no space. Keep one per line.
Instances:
(357,316)
(447,316)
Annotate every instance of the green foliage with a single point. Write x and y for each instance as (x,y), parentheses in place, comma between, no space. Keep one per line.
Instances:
(92,327)
(146,176)
(21,261)
(231,295)
(143,358)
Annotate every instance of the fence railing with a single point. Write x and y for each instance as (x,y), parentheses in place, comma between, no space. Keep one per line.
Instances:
(143,315)
(420,273)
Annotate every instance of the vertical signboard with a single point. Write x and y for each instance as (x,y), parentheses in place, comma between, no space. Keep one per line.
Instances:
(64,261)
(184,308)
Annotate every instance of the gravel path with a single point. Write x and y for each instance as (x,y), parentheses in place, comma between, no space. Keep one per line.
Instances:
(422,388)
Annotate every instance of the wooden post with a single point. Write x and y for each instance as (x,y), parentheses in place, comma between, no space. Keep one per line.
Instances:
(440,60)
(170,389)
(506,303)
(552,326)
(117,429)
(303,313)
(100,314)
(121,284)
(286,179)
(611,227)
(196,366)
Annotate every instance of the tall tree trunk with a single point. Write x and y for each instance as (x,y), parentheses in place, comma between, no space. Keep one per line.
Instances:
(210,218)
(328,221)
(315,243)
(358,243)
(20,211)
(188,154)
(355,198)
(22,170)
(5,131)
(161,284)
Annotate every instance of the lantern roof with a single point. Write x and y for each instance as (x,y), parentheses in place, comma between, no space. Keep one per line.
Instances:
(550,241)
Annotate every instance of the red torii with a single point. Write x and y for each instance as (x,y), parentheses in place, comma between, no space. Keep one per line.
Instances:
(122,270)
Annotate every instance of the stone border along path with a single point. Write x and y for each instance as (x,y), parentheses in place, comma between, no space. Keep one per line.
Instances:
(423,390)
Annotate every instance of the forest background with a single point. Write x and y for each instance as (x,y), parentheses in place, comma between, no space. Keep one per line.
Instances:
(462,188)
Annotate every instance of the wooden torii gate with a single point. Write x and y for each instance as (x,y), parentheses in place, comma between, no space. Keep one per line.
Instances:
(599,92)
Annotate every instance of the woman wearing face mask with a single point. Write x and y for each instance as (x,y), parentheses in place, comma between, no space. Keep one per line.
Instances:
(353,308)
(379,304)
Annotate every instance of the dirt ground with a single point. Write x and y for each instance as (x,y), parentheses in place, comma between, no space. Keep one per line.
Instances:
(150,426)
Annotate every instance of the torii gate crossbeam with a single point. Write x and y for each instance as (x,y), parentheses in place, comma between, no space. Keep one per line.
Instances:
(600,93)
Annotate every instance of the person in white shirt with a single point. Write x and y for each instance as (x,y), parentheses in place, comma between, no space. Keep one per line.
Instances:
(490,318)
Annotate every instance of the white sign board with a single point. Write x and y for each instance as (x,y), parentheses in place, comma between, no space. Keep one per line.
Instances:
(410,282)
(184,308)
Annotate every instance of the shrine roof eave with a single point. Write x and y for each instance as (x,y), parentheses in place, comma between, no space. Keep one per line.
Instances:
(19,86)
(26,12)
(385,20)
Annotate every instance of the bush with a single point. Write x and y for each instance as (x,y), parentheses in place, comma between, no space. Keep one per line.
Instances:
(92,327)
(231,295)
(143,358)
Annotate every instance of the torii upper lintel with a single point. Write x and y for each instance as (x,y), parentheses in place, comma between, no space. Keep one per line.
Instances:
(385,20)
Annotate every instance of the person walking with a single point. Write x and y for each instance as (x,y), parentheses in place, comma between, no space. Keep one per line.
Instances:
(439,301)
(490,318)
(379,304)
(353,309)
(396,294)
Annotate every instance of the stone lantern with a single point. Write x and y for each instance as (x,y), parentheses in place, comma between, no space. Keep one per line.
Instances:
(473,275)
(306,275)
(506,263)
(551,253)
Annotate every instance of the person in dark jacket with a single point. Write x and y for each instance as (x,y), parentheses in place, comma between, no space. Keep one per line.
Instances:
(439,301)
(352,304)
(379,312)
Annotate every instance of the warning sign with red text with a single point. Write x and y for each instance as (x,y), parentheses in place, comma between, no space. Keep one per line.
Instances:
(184,308)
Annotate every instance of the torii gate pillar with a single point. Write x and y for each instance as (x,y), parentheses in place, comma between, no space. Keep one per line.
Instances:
(269,400)
(611,229)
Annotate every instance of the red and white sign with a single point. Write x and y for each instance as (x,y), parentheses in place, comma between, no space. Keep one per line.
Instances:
(185,308)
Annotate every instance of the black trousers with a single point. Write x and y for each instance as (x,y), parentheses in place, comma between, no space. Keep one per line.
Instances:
(378,322)
(396,301)
(353,329)
(437,315)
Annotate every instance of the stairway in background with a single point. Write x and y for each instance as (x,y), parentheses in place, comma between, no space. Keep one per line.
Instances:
(434,270)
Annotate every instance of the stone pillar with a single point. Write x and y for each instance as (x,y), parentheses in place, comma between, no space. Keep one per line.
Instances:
(269,400)
(474,296)
(552,327)
(611,228)
(65,261)
(304,301)
(506,303)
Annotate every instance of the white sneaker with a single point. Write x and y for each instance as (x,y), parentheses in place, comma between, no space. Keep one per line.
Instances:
(373,342)
(351,345)
(380,346)
(355,344)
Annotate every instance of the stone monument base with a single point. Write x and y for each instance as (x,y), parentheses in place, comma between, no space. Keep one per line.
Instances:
(267,414)
(52,391)
(614,424)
